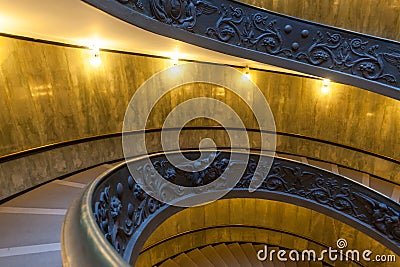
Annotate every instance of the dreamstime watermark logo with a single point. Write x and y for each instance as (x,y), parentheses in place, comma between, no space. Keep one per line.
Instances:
(331,254)
(154,89)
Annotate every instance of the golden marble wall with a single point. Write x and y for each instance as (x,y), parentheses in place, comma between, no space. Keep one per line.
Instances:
(346,115)
(373,17)
(51,94)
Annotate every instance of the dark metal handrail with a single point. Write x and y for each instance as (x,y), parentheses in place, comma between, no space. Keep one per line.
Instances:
(115,216)
(242,30)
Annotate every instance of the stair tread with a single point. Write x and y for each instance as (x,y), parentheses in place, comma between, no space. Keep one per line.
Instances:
(290,263)
(278,263)
(213,256)
(184,260)
(198,257)
(169,263)
(227,255)
(237,251)
(275,261)
(316,264)
(251,254)
(265,263)
(303,264)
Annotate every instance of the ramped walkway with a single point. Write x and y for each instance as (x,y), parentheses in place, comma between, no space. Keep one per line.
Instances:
(30,224)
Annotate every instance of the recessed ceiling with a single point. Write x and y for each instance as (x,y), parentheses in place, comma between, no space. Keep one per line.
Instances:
(75,22)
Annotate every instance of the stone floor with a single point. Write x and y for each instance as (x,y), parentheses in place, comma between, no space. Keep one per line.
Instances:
(30,224)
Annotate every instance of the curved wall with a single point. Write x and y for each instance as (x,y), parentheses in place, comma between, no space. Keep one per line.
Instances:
(50,93)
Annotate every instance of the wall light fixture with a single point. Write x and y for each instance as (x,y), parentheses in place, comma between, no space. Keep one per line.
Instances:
(325,86)
(95,59)
(247,72)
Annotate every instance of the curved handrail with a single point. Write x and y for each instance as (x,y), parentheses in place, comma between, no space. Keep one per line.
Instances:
(115,216)
(242,30)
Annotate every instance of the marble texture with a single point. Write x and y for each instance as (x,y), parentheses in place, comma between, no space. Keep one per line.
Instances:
(341,156)
(378,18)
(51,94)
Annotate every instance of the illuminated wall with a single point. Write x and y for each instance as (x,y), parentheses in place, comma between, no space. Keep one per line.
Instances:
(51,94)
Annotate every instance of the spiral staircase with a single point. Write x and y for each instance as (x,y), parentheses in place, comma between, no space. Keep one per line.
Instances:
(66,197)
(233,254)
(31,225)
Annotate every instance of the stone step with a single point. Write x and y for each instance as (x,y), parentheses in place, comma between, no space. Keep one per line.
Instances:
(227,255)
(184,260)
(251,254)
(213,256)
(198,257)
(169,263)
(237,251)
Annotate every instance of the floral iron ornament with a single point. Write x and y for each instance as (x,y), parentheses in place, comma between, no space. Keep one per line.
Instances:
(242,30)
(331,50)
(118,221)
(180,13)
(121,206)
(350,55)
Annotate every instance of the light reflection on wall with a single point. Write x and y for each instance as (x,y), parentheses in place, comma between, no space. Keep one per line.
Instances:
(95,59)
(42,90)
(325,88)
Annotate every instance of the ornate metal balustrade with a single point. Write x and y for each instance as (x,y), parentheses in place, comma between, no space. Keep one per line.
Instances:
(110,224)
(246,31)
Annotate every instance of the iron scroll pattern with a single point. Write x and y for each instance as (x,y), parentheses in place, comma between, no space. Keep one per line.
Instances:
(265,32)
(120,206)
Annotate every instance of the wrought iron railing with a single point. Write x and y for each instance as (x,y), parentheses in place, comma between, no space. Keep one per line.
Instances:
(246,31)
(110,223)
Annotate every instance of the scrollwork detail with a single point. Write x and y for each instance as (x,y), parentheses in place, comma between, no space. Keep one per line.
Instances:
(265,32)
(180,13)
(354,56)
(107,212)
(132,3)
(249,31)
(118,220)
(381,216)
(122,206)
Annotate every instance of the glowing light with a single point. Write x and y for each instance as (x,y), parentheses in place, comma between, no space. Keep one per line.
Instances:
(95,59)
(325,86)
(175,59)
(325,89)
(247,72)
